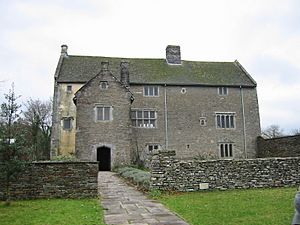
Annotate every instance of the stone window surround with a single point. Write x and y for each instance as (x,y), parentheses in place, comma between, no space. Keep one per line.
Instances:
(233,114)
(223,91)
(143,119)
(69,88)
(148,88)
(103,106)
(103,85)
(222,146)
(67,120)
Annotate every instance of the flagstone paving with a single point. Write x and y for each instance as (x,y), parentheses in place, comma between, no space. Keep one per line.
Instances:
(123,204)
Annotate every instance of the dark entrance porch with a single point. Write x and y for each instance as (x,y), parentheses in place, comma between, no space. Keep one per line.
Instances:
(104,158)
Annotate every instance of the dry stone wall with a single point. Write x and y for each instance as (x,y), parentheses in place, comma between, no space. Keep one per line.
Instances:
(54,180)
(287,146)
(169,173)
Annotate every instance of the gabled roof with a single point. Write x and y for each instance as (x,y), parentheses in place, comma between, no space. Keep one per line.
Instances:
(80,69)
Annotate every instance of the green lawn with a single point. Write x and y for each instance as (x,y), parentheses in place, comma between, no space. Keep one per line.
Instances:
(53,211)
(236,207)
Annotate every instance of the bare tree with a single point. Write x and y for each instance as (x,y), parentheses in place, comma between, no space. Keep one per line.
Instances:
(272,131)
(296,131)
(37,117)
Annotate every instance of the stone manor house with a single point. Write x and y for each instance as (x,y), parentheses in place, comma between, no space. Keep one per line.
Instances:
(115,110)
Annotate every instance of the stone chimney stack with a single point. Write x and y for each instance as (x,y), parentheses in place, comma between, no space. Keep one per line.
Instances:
(173,55)
(124,70)
(64,50)
(104,66)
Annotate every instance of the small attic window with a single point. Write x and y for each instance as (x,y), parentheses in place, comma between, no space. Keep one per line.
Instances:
(103,85)
(69,88)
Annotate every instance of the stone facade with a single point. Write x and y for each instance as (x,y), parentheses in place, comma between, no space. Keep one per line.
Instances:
(186,101)
(288,146)
(55,180)
(115,133)
(169,173)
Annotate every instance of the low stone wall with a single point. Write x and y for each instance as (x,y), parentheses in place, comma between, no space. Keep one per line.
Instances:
(288,146)
(54,180)
(169,173)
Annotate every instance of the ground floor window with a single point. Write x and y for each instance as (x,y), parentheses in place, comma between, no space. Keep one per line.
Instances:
(226,150)
(153,148)
(144,118)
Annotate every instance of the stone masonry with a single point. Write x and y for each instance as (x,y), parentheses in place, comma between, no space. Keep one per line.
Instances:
(288,146)
(55,180)
(169,173)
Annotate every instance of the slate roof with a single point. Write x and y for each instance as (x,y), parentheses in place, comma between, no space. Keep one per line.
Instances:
(80,69)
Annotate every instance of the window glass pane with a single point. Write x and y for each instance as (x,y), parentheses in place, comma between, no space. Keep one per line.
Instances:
(146,114)
(150,91)
(226,150)
(99,113)
(67,123)
(152,123)
(146,92)
(133,114)
(140,123)
(146,123)
(222,121)
(155,147)
(139,114)
(230,150)
(218,121)
(107,113)
(225,91)
(152,114)
(69,88)
(156,91)
(227,121)
(150,147)
(134,123)
(222,150)
(231,121)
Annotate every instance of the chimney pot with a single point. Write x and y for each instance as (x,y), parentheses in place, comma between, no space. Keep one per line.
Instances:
(64,49)
(173,55)
(104,65)
(124,65)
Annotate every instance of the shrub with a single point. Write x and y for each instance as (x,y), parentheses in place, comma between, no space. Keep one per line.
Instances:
(136,176)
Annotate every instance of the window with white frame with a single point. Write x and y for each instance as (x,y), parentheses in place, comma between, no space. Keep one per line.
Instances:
(222,90)
(144,118)
(226,150)
(151,91)
(153,147)
(225,120)
(103,113)
(67,123)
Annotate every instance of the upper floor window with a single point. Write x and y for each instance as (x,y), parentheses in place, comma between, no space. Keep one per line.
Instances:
(67,123)
(226,150)
(225,120)
(103,113)
(103,85)
(144,118)
(222,90)
(151,91)
(69,88)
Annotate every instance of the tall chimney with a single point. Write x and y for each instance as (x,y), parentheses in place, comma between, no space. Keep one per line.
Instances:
(124,65)
(104,65)
(173,54)
(64,50)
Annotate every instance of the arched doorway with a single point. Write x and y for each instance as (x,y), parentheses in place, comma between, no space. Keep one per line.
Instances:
(104,158)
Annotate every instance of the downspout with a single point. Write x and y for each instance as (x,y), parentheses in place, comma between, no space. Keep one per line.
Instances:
(244,122)
(166,119)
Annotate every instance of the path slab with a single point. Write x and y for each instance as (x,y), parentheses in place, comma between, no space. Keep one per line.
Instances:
(124,204)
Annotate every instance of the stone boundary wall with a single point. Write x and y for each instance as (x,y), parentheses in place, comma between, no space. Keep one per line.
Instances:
(55,180)
(288,146)
(169,173)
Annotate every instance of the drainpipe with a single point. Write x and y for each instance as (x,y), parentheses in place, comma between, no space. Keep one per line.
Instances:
(244,122)
(166,118)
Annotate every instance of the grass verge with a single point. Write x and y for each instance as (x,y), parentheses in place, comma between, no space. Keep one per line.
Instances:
(52,211)
(235,207)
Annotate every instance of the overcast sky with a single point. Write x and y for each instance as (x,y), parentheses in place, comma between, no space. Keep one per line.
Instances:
(264,35)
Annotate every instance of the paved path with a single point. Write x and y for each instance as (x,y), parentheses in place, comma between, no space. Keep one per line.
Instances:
(123,204)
